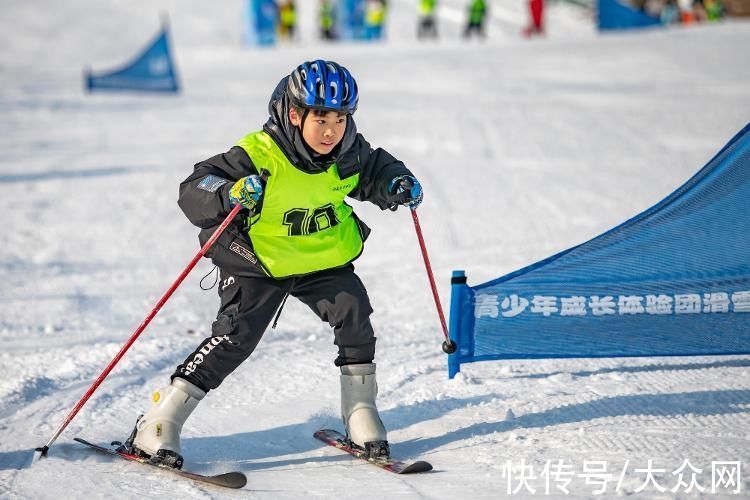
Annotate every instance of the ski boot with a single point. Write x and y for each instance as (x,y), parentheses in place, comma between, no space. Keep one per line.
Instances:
(156,435)
(364,429)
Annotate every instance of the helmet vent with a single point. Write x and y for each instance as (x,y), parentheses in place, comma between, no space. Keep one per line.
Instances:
(323,85)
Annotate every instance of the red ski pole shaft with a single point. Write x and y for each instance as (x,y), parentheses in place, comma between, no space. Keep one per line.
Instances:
(140,329)
(449,346)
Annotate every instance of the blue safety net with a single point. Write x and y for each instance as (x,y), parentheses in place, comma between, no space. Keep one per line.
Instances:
(616,15)
(152,70)
(672,281)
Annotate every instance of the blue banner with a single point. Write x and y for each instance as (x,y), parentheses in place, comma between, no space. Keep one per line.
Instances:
(153,70)
(352,19)
(614,15)
(672,281)
(262,18)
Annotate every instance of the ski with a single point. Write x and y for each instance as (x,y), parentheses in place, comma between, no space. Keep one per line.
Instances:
(227,480)
(338,440)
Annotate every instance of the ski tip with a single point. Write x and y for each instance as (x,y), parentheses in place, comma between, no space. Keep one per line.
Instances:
(417,467)
(232,479)
(87,443)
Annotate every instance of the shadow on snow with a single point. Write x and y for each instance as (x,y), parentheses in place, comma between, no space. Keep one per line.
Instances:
(700,403)
(63,174)
(253,449)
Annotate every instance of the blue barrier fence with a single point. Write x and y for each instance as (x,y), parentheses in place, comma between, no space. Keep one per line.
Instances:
(672,281)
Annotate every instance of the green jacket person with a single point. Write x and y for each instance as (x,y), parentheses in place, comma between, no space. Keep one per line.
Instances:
(297,236)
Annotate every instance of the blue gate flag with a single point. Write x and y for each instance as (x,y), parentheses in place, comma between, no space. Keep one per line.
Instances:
(672,281)
(153,70)
(262,17)
(614,15)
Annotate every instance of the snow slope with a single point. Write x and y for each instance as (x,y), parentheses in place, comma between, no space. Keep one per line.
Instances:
(524,148)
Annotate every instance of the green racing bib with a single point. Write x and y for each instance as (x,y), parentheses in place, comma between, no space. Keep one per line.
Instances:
(304,224)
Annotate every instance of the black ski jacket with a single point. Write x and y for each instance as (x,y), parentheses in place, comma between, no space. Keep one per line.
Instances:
(204,195)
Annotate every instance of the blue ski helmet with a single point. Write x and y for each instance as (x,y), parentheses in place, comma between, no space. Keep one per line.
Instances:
(323,85)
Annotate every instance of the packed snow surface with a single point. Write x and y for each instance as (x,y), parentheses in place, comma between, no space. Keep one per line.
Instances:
(524,148)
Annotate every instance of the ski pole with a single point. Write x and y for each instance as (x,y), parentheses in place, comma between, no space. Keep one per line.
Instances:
(449,347)
(44,449)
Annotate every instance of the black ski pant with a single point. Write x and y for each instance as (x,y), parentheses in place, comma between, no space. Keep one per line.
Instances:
(248,304)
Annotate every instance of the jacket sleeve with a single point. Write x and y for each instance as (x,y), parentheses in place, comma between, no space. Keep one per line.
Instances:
(378,169)
(204,195)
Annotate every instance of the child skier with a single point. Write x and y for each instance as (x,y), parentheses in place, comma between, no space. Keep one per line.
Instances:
(295,236)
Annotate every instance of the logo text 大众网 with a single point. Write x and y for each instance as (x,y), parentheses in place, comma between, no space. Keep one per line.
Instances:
(596,477)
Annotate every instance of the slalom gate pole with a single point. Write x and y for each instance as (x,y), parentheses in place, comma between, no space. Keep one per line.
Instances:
(449,347)
(44,449)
